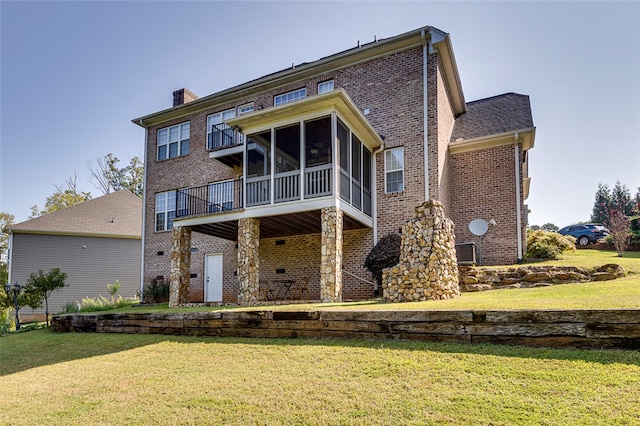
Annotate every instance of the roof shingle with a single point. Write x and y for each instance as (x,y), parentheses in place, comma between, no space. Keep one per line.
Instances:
(115,214)
(498,114)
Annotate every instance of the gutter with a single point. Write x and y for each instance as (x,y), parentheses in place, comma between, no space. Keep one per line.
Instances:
(518,204)
(144,207)
(425,113)
(374,199)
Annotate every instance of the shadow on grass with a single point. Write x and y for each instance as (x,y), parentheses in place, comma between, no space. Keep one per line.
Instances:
(24,351)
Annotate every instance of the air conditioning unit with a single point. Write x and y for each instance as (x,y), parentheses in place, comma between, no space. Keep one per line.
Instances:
(466,253)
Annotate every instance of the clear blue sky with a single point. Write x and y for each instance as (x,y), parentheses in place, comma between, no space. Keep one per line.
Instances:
(73,75)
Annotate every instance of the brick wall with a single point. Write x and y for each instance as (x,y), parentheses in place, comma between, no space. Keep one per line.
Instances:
(483,186)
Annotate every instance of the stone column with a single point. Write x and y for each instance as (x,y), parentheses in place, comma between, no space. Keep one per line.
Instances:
(331,259)
(248,260)
(180,266)
(428,263)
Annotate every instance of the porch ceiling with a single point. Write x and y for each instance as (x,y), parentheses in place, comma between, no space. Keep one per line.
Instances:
(286,225)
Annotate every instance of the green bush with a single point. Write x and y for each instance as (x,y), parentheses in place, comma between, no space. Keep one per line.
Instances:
(71,308)
(101,303)
(548,245)
(156,292)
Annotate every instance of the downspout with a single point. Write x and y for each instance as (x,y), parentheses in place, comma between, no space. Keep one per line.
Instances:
(144,208)
(425,118)
(10,257)
(518,206)
(374,203)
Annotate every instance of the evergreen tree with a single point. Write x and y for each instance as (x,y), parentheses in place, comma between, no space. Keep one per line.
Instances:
(602,204)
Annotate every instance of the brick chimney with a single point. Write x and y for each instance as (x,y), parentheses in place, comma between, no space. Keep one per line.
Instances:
(183,96)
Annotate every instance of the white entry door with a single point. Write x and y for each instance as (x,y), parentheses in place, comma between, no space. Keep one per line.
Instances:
(213,278)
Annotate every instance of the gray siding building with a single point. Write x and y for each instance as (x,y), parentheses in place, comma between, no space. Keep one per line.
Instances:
(95,243)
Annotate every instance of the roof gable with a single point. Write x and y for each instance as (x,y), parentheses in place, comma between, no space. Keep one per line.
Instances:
(499,114)
(118,214)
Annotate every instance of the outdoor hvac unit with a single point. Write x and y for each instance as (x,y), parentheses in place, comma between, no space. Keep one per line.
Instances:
(466,253)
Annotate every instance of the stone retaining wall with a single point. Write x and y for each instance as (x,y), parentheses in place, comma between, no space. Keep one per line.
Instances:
(480,279)
(588,329)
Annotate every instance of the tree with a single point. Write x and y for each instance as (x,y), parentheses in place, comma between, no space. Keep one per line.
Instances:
(619,225)
(550,227)
(602,204)
(40,286)
(6,220)
(62,198)
(109,177)
(621,198)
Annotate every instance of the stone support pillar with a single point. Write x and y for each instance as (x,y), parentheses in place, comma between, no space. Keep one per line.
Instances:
(428,267)
(248,260)
(331,259)
(180,266)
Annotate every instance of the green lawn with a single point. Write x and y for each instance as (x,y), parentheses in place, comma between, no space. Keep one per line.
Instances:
(110,379)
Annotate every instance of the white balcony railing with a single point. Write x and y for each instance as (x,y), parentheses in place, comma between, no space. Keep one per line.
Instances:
(287,186)
(317,181)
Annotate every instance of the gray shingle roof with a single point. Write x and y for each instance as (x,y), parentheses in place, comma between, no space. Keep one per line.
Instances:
(115,214)
(495,115)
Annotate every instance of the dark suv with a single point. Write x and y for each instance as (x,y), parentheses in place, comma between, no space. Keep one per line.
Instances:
(585,233)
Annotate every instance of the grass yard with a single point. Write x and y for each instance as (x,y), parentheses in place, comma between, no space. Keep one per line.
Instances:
(111,379)
(107,379)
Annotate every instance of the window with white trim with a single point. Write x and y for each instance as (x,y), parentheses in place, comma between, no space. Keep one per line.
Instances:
(285,98)
(173,141)
(394,170)
(325,86)
(218,133)
(165,210)
(243,109)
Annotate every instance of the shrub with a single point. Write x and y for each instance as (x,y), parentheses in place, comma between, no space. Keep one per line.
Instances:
(548,245)
(71,307)
(156,292)
(101,303)
(384,255)
(113,288)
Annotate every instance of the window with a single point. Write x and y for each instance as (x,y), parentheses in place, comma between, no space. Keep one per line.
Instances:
(218,133)
(165,210)
(173,141)
(243,109)
(394,170)
(325,86)
(285,98)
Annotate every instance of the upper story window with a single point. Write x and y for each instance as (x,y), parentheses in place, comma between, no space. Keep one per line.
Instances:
(173,141)
(218,133)
(285,98)
(243,109)
(394,170)
(325,86)
(165,210)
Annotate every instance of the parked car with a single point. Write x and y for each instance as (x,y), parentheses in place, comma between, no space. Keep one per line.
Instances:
(585,233)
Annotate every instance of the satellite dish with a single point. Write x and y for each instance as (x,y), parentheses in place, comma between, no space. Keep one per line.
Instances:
(478,227)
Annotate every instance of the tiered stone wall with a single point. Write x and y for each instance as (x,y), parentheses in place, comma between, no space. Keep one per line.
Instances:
(331,255)
(480,279)
(248,260)
(428,267)
(180,266)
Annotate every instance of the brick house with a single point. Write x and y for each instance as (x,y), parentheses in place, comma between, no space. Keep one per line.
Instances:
(285,183)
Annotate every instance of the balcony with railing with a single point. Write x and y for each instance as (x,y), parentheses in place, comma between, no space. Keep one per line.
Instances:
(225,144)
(295,160)
(214,198)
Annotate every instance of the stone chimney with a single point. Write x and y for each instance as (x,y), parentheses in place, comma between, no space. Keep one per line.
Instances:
(183,96)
